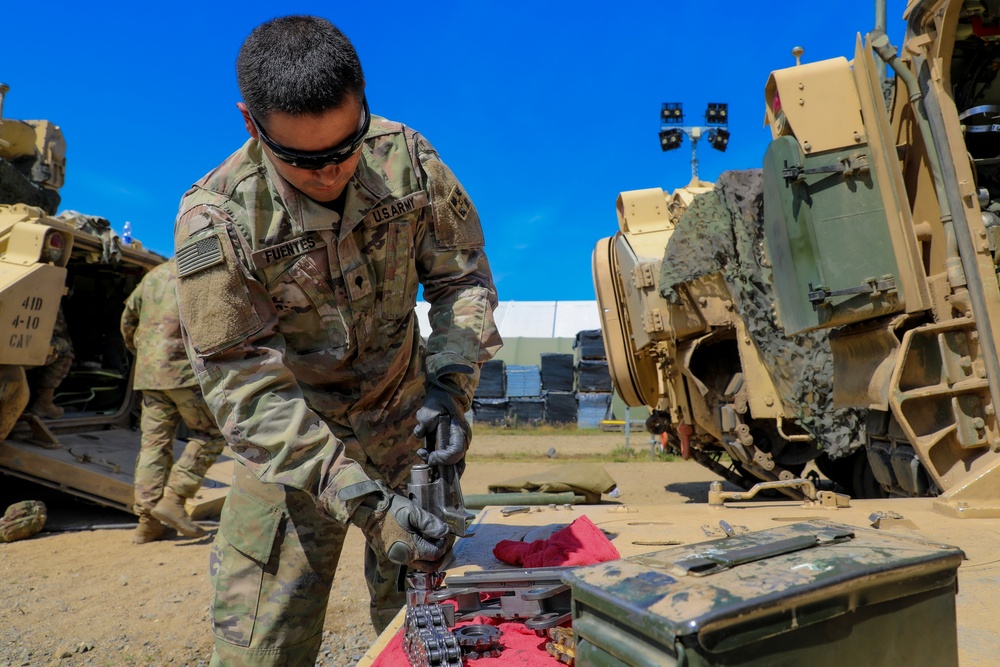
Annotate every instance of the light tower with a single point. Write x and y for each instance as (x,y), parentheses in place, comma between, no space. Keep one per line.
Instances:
(673,130)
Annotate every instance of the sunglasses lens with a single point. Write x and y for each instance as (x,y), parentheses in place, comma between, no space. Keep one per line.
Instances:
(319,160)
(314,163)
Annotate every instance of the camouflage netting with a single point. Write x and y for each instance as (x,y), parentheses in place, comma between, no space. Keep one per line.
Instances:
(100,227)
(16,188)
(723,232)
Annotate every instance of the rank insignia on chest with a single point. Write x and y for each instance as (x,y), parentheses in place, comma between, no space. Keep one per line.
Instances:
(199,255)
(459,202)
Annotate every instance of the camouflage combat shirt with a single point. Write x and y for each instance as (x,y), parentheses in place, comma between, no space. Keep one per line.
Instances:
(152,331)
(301,320)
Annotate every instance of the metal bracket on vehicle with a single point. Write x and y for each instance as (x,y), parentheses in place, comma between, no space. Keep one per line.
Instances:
(886,520)
(40,433)
(873,287)
(848,167)
(537,596)
(828,499)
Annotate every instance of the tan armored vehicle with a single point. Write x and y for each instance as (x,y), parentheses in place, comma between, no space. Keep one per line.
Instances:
(840,305)
(71,268)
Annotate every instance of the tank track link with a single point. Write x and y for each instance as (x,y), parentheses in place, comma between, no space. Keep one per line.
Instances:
(427,641)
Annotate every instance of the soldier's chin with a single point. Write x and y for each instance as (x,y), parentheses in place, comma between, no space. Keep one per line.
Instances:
(323,195)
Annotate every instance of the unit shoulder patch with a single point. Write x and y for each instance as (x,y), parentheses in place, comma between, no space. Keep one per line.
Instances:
(459,202)
(215,305)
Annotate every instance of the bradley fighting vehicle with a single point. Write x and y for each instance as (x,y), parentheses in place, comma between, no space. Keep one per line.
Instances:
(74,266)
(841,304)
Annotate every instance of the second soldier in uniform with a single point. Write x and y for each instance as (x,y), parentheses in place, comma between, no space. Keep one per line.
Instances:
(170,395)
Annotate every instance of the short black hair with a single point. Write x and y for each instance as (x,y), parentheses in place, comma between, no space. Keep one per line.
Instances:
(297,65)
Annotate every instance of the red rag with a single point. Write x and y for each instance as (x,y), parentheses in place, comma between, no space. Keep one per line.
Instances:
(580,543)
(521,648)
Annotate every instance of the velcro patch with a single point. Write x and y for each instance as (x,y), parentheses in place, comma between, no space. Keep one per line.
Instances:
(213,298)
(199,255)
(456,222)
(293,248)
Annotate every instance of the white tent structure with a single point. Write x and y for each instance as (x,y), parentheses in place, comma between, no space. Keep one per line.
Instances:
(537,320)
(532,328)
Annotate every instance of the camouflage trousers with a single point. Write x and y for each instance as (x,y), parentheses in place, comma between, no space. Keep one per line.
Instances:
(60,360)
(272,567)
(162,411)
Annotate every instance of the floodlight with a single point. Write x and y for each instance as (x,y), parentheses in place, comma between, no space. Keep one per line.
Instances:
(670,139)
(717,113)
(672,113)
(718,138)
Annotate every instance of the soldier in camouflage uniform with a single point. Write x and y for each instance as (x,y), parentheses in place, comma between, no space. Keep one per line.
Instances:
(299,260)
(57,366)
(170,394)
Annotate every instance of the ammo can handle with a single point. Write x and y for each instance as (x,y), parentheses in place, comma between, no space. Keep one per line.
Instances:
(700,566)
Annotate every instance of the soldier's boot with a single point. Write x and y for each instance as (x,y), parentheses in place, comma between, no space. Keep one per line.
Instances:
(43,405)
(170,510)
(148,530)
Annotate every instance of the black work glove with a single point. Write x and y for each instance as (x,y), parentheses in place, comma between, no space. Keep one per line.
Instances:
(404,533)
(441,409)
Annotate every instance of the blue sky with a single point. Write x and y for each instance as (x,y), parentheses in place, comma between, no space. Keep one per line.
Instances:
(544,110)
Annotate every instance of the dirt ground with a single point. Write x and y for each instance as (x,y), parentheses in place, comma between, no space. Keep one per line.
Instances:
(92,598)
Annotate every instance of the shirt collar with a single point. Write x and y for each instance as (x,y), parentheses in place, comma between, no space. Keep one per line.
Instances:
(366,189)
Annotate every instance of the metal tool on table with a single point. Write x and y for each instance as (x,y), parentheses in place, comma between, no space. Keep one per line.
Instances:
(428,640)
(535,596)
(436,488)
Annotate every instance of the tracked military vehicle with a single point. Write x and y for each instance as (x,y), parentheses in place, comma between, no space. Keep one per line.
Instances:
(73,269)
(839,305)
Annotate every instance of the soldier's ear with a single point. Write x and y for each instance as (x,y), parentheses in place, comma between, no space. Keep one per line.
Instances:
(251,128)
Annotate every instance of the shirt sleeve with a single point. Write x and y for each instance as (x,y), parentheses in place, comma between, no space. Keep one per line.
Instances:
(229,324)
(130,317)
(457,280)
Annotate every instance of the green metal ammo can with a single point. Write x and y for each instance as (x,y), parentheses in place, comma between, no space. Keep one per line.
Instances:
(816,593)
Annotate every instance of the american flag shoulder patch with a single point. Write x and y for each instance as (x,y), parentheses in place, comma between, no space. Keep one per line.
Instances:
(199,255)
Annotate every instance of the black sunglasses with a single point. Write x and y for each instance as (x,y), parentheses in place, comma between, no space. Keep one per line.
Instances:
(316,160)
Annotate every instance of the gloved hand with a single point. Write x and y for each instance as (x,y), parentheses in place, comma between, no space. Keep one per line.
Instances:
(452,445)
(405,533)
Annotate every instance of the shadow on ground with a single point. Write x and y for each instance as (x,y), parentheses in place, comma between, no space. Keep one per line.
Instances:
(66,512)
(696,492)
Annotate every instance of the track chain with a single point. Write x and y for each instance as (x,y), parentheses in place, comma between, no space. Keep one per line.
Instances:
(427,641)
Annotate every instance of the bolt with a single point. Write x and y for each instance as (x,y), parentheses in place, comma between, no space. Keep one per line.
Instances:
(989,409)
(769,400)
(806,146)
(978,423)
